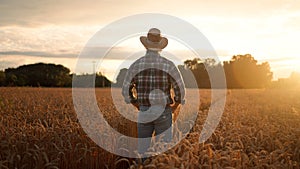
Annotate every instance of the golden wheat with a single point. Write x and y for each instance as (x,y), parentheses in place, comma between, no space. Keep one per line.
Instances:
(258,129)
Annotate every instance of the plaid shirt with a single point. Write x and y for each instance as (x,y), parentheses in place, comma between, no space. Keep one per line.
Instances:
(152,76)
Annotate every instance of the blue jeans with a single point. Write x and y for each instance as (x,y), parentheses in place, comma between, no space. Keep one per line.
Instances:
(162,122)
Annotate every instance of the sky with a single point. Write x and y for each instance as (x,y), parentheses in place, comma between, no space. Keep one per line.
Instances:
(56,31)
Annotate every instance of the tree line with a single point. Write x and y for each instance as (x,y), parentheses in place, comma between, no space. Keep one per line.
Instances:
(47,75)
(242,71)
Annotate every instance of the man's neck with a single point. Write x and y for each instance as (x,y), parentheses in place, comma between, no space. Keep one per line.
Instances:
(156,52)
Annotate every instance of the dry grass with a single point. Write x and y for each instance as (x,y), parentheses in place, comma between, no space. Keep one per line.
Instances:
(259,129)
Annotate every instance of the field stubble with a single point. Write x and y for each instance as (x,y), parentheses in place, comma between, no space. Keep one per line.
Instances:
(258,129)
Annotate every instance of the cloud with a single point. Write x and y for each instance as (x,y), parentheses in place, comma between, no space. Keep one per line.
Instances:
(50,39)
(33,13)
(40,54)
(116,53)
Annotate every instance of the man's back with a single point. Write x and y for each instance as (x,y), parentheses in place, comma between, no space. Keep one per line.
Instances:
(153,76)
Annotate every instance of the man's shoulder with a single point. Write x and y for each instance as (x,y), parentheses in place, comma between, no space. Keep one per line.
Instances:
(158,59)
(139,60)
(167,61)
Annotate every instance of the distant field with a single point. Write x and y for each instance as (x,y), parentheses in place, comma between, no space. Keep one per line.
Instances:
(258,129)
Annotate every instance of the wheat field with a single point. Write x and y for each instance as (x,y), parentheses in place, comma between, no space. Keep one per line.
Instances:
(259,129)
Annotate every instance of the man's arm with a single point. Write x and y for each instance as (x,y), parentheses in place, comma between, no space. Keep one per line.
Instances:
(128,85)
(178,86)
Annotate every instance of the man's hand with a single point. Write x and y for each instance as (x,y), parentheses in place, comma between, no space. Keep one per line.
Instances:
(175,110)
(174,107)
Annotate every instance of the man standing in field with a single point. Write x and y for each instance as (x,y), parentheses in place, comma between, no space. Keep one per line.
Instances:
(152,77)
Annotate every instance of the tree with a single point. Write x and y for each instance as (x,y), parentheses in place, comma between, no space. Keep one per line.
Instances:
(2,78)
(120,77)
(191,64)
(188,77)
(102,81)
(39,74)
(243,71)
(86,79)
(201,69)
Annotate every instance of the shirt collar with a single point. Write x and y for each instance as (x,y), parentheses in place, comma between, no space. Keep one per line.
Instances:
(153,53)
